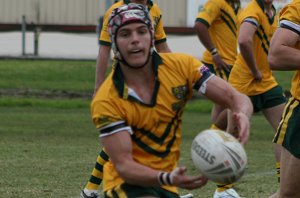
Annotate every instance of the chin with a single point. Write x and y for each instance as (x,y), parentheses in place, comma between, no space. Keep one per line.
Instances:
(137,62)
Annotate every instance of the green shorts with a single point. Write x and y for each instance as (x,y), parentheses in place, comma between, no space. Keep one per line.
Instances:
(130,191)
(288,131)
(271,98)
(224,74)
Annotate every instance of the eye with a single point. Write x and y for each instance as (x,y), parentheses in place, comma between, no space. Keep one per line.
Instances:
(143,30)
(123,34)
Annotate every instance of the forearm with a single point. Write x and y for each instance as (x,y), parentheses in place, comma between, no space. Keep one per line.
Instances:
(230,98)
(240,103)
(283,57)
(131,171)
(203,35)
(247,52)
(101,66)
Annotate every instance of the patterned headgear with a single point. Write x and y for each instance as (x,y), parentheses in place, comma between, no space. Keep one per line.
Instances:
(125,14)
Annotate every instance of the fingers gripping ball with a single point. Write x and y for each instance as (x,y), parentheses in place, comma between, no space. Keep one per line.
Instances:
(219,156)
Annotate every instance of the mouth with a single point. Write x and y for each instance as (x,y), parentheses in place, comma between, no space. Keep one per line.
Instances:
(135,51)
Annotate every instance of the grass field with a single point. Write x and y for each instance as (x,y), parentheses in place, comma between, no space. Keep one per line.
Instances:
(49,144)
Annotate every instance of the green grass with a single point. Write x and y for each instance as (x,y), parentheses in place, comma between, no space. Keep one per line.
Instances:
(50,152)
(49,145)
(47,75)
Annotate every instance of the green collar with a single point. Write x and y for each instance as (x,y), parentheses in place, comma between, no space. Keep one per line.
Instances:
(120,85)
(261,5)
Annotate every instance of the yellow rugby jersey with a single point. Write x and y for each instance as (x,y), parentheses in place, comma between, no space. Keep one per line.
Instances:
(156,127)
(221,19)
(155,13)
(290,19)
(240,76)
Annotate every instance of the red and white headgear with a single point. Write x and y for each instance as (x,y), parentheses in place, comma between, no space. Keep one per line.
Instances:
(125,14)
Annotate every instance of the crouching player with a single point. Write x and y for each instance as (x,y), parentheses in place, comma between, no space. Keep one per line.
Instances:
(138,110)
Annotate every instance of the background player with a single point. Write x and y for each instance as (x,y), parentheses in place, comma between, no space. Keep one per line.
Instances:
(284,54)
(217,30)
(251,73)
(216,27)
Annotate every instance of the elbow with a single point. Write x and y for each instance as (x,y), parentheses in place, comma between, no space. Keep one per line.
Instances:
(275,59)
(123,169)
(199,27)
(273,62)
(244,42)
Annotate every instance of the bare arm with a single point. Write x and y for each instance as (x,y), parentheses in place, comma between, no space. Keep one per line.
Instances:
(101,65)
(162,47)
(203,35)
(245,41)
(119,147)
(205,39)
(222,93)
(282,54)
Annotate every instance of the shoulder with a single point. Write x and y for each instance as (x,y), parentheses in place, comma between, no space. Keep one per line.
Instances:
(178,62)
(252,10)
(291,12)
(155,10)
(115,5)
(176,57)
(217,4)
(106,90)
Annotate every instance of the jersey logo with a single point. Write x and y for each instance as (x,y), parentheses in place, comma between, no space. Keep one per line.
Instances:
(180,93)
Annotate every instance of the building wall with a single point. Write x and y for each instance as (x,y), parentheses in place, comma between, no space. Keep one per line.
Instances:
(176,13)
(75,12)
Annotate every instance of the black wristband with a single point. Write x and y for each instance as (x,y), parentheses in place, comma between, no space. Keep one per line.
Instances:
(164,178)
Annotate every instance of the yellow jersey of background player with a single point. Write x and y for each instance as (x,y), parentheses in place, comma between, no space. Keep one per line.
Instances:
(155,13)
(288,14)
(221,18)
(240,76)
(156,127)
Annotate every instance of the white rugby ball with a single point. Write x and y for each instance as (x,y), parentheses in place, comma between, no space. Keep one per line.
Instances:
(219,156)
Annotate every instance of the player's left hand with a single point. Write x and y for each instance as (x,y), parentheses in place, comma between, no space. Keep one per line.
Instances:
(242,128)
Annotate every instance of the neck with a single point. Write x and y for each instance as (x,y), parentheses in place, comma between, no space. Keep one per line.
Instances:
(269,10)
(268,7)
(141,75)
(142,81)
(144,2)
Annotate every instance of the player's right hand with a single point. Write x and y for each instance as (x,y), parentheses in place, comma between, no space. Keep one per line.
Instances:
(179,179)
(220,64)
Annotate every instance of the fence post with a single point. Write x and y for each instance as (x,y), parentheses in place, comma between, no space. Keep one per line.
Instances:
(37,31)
(23,35)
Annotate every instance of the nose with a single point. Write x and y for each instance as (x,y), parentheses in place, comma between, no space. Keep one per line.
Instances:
(135,37)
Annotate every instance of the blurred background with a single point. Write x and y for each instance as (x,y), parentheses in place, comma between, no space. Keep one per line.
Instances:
(69,28)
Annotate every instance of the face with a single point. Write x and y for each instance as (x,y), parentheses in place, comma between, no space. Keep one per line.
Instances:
(133,41)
